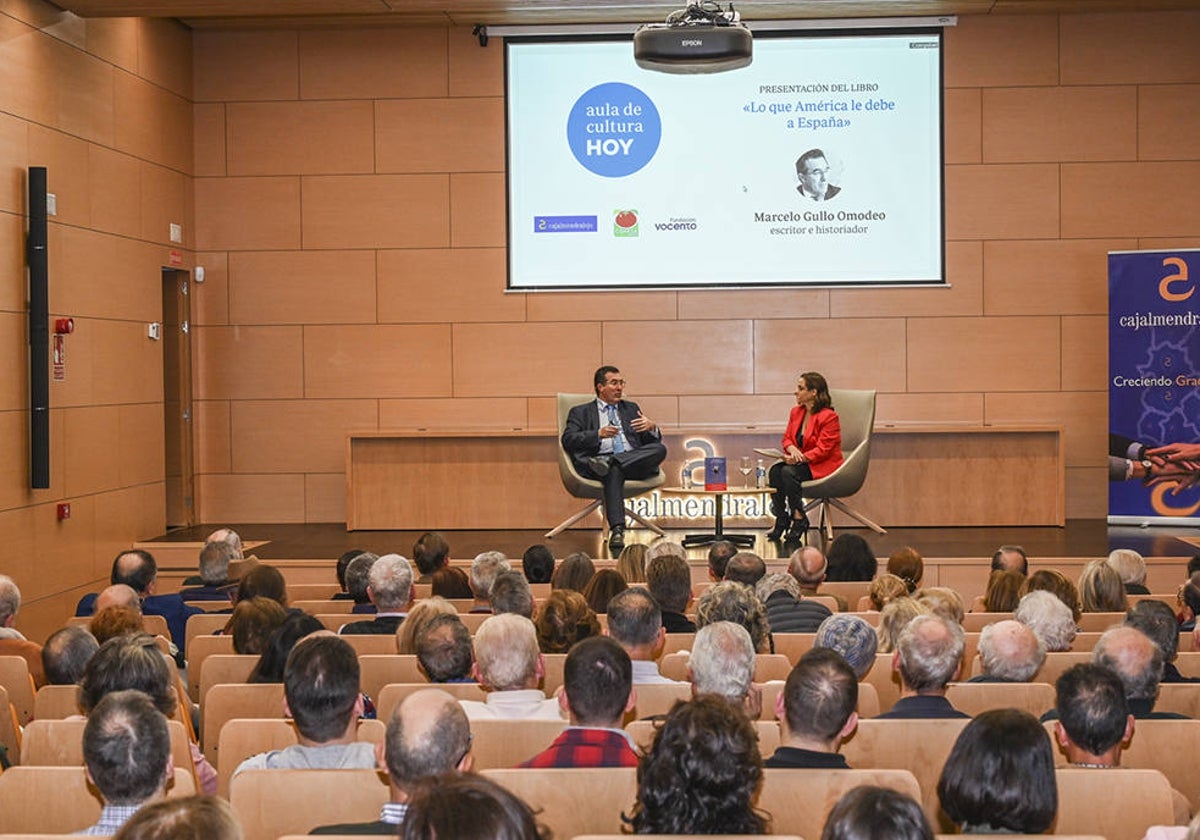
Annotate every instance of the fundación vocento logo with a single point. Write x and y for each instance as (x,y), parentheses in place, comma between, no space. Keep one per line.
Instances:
(625,223)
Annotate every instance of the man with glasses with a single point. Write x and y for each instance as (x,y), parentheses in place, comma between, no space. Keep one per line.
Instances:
(813,171)
(610,440)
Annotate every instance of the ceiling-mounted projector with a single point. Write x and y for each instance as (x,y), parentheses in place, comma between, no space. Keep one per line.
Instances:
(699,39)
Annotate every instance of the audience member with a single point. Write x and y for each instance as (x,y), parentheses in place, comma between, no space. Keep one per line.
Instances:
(999,777)
(876,813)
(214,583)
(1189,596)
(183,818)
(928,655)
(484,569)
(233,538)
(573,572)
(1131,568)
(136,569)
(261,581)
(601,589)
(563,619)
(745,567)
(321,695)
(67,653)
(390,589)
(1157,620)
(111,622)
(538,564)
(852,637)
(451,582)
(701,774)
(117,595)
(943,601)
(1093,715)
(430,553)
(597,694)
(729,601)
(635,623)
(808,566)
(850,558)
(357,574)
(509,665)
(343,562)
(632,563)
(1100,589)
(1011,558)
(510,593)
(788,611)
(1049,618)
(894,618)
(1057,584)
(127,753)
(722,663)
(1009,652)
(428,734)
(662,547)
(1003,591)
(443,650)
(252,623)
(1138,662)
(908,565)
(269,668)
(816,711)
(885,589)
(466,806)
(669,580)
(719,555)
(418,618)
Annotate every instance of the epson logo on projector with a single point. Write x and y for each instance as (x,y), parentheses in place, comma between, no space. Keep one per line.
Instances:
(691,42)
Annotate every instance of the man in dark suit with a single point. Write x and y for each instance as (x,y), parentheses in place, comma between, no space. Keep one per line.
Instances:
(390,588)
(812,170)
(136,569)
(610,440)
(928,655)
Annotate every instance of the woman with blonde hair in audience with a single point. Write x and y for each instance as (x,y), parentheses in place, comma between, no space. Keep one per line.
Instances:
(895,617)
(573,572)
(1101,589)
(908,565)
(885,589)
(1003,591)
(632,563)
(418,619)
(602,587)
(563,619)
(1056,583)
(943,601)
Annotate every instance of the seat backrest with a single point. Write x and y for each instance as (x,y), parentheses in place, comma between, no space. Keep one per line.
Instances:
(919,746)
(201,648)
(563,405)
(324,605)
(658,698)
(379,670)
(393,693)
(676,642)
(500,744)
(642,733)
(856,413)
(885,680)
(973,698)
(59,743)
(1098,622)
(59,800)
(1169,746)
(155,625)
(226,702)
(974,622)
(799,801)
(269,803)
(1183,698)
(315,591)
(205,624)
(14,676)
(1056,663)
(225,668)
(793,645)
(55,702)
(1116,802)
(573,801)
(8,726)
(555,663)
(241,738)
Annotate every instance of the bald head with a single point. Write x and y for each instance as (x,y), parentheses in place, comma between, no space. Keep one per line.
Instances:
(928,654)
(427,735)
(118,595)
(1010,651)
(1135,659)
(1010,558)
(807,566)
(229,536)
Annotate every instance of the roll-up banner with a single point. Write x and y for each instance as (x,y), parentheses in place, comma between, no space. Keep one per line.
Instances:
(1154,387)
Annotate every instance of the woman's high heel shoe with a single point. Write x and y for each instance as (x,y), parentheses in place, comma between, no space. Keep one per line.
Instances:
(782,520)
(797,531)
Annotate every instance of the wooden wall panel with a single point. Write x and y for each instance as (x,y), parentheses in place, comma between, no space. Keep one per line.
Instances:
(850,352)
(325,138)
(141,444)
(615,306)
(245,66)
(152,123)
(164,53)
(209,154)
(1085,353)
(114,191)
(963,120)
(13,295)
(378,63)
(14,151)
(244,214)
(446,285)
(1007,201)
(325,497)
(690,357)
(302,287)
(983,354)
(1024,125)
(544,358)
(1058,276)
(251,498)
(440,135)
(474,70)
(1086,440)
(381,211)
(964,274)
(249,363)
(1002,51)
(377,361)
(165,200)
(1157,204)
(212,436)
(66,162)
(477,214)
(1155,48)
(748,303)
(485,413)
(1168,124)
(101,276)
(290,436)
(117,41)
(210,299)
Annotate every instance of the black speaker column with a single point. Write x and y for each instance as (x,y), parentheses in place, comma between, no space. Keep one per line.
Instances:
(39,333)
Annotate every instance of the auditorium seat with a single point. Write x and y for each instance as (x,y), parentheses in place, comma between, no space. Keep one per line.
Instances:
(65,801)
(1098,622)
(973,622)
(379,670)
(676,642)
(241,738)
(55,702)
(200,649)
(657,699)
(59,743)
(676,837)
(553,678)
(226,702)
(311,591)
(315,607)
(500,744)
(800,800)
(973,698)
(793,645)
(851,590)
(16,679)
(1118,803)
(573,801)
(1188,663)
(1056,663)
(767,666)
(642,733)
(10,733)
(392,694)
(472,621)
(885,680)
(224,668)
(1183,698)
(201,625)
(270,803)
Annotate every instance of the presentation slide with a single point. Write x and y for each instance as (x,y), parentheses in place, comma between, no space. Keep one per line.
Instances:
(820,164)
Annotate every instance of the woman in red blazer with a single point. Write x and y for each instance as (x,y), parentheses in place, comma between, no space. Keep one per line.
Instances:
(812,448)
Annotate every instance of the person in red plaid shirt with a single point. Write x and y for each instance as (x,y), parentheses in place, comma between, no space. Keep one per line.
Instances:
(597,693)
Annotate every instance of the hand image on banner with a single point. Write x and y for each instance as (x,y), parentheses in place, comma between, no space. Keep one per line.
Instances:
(1154,387)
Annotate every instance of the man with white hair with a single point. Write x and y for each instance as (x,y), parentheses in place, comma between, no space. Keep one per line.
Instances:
(1132,568)
(230,536)
(485,568)
(213,584)
(12,641)
(928,655)
(1009,651)
(1049,618)
(722,662)
(509,664)
(390,588)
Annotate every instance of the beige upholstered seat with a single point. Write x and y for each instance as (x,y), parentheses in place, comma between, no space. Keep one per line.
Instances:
(973,698)
(379,670)
(229,668)
(270,803)
(15,677)
(9,732)
(202,625)
(502,744)
(392,694)
(200,649)
(642,733)
(800,800)
(793,645)
(575,801)
(226,702)
(69,802)
(885,680)
(1118,803)
(658,698)
(589,488)
(767,666)
(54,702)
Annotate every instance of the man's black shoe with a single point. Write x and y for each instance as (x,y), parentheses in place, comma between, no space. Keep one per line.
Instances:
(616,539)
(598,464)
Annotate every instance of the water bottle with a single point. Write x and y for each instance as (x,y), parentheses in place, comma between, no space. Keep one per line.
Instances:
(760,475)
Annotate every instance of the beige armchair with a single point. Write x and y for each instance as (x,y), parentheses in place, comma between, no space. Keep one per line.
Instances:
(856,411)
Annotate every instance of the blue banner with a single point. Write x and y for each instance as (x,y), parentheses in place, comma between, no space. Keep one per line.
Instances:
(1154,387)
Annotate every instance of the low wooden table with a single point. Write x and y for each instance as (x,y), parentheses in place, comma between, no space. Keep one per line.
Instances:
(744,540)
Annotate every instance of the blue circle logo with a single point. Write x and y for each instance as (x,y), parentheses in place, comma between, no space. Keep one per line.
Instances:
(614,129)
